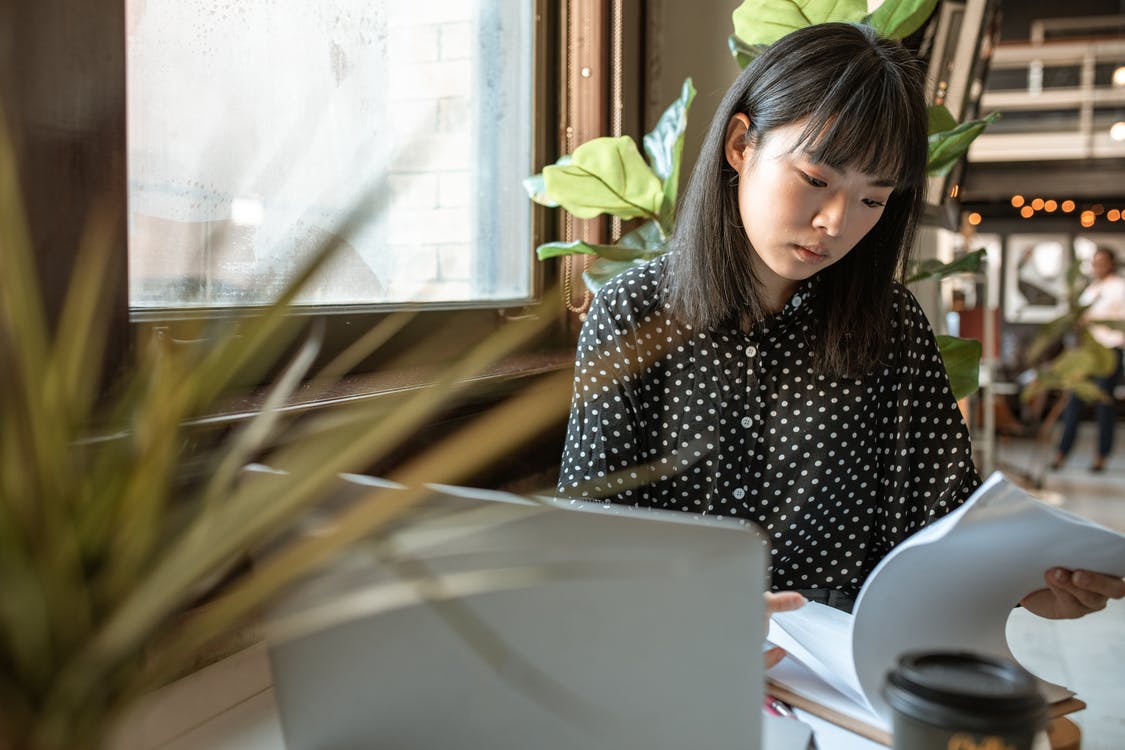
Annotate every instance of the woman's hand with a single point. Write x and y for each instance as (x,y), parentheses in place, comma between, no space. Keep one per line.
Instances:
(782,601)
(1073,593)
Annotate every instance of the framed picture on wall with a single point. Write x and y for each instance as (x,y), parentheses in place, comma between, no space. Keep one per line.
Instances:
(1035,277)
(1086,244)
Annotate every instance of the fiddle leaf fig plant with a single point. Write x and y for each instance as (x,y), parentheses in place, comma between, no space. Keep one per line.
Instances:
(609,176)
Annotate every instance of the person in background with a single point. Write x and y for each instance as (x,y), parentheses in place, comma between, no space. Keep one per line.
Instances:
(771,367)
(1106,299)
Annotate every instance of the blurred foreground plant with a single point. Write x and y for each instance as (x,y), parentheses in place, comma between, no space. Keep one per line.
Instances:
(104,546)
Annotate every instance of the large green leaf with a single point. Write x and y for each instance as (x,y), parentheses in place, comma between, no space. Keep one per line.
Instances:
(536,189)
(578,247)
(606,176)
(665,147)
(1049,334)
(935,269)
(947,147)
(648,236)
(602,270)
(962,363)
(766,21)
(536,186)
(743,53)
(896,19)
(939,119)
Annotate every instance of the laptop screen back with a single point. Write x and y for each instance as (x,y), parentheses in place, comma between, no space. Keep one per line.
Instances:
(494,622)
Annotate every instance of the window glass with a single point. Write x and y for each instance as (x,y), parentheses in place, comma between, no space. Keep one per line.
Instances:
(257,127)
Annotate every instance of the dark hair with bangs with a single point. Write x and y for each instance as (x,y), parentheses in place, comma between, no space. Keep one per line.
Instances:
(862,99)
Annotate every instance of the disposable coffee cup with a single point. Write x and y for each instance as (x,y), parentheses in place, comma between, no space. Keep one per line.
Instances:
(947,700)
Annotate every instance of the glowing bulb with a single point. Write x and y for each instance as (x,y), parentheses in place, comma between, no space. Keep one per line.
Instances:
(1067,206)
(1017,201)
(1113,214)
(1117,131)
(1050,205)
(1037,204)
(1087,218)
(1027,212)
(974,218)
(1119,76)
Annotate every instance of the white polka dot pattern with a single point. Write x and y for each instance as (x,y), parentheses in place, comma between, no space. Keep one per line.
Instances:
(724,422)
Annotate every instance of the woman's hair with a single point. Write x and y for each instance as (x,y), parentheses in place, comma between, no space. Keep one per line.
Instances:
(861,100)
(1109,253)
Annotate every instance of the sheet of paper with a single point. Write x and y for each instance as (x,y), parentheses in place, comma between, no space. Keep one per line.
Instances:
(953,585)
(803,681)
(820,637)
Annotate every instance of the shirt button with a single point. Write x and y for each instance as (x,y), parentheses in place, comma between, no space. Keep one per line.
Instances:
(739,493)
(751,351)
(746,422)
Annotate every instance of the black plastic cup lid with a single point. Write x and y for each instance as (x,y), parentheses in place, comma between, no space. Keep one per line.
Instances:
(965,690)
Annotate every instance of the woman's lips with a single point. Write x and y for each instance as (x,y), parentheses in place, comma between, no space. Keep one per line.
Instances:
(811,255)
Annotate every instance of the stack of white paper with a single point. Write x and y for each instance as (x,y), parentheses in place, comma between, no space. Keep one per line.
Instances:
(951,586)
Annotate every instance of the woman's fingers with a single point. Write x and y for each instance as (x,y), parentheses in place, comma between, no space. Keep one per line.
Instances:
(773,656)
(1076,585)
(783,601)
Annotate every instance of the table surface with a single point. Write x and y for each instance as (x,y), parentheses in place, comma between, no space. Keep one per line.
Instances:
(230,705)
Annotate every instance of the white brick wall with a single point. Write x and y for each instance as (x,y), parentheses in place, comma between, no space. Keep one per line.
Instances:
(431,226)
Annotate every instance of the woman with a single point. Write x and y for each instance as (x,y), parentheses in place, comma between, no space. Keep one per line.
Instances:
(1105,297)
(771,368)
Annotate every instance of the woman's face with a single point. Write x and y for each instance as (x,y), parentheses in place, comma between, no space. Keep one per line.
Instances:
(799,216)
(1103,265)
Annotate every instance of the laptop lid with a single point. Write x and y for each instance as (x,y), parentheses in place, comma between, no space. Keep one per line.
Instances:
(492,621)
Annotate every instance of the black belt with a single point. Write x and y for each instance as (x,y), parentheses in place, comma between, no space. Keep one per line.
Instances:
(831,597)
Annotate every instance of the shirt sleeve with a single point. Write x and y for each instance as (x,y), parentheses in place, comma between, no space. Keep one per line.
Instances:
(927,466)
(601,449)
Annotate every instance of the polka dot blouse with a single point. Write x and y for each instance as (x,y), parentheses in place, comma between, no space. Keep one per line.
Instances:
(725,422)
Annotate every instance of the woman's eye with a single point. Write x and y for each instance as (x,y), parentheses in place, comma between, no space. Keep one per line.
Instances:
(814,181)
(872,203)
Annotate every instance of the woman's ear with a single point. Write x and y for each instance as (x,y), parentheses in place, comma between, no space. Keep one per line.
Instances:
(736,147)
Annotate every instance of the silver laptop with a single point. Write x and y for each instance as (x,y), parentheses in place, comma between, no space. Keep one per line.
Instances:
(492,621)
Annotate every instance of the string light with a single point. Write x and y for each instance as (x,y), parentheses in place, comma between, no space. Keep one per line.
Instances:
(1029,207)
(1119,76)
(1117,131)
(974,218)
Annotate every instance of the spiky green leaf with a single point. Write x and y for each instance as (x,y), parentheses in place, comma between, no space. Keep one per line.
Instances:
(665,146)
(947,147)
(962,363)
(935,269)
(578,247)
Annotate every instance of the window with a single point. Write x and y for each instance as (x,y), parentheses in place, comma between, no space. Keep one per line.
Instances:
(256,128)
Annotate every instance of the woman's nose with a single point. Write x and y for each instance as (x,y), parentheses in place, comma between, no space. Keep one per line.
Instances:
(832,216)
